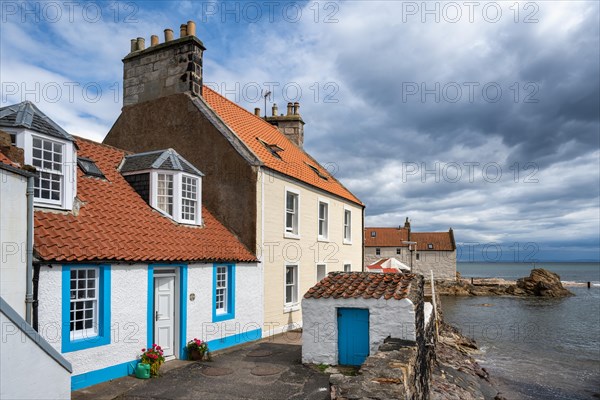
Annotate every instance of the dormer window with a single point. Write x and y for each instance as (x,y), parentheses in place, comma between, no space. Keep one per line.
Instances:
(168,182)
(48,148)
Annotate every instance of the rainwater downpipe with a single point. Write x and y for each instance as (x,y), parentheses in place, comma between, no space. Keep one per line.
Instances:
(29,251)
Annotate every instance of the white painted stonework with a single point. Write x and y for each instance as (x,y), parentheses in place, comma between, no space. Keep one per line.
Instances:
(13,236)
(395,318)
(129,312)
(27,371)
(248,303)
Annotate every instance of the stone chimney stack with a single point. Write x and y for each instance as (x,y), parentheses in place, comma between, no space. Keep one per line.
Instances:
(291,125)
(407,224)
(163,69)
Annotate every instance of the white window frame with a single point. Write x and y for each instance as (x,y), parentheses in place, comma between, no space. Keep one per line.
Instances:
(24,140)
(177,195)
(349,265)
(291,305)
(324,265)
(224,288)
(189,199)
(93,331)
(347,226)
(323,236)
(166,196)
(290,234)
(377,251)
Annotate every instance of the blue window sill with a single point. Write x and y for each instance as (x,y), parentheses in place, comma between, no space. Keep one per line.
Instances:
(223,317)
(88,343)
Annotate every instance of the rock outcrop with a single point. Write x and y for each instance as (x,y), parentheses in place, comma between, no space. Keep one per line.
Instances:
(540,282)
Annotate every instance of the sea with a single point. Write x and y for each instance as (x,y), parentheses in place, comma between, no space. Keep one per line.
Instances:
(535,348)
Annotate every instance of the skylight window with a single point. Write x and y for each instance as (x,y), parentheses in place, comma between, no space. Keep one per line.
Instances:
(316,171)
(89,167)
(273,148)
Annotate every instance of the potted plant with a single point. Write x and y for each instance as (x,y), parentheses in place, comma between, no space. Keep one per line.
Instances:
(197,349)
(154,357)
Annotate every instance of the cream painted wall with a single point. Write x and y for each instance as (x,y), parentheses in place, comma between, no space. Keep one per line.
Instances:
(307,251)
(13,236)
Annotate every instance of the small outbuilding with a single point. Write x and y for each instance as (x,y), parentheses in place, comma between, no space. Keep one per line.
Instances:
(347,316)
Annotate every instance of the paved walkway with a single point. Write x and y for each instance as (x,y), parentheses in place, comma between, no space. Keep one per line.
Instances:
(268,369)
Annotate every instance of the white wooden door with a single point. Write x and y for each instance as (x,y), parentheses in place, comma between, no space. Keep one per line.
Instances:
(164,314)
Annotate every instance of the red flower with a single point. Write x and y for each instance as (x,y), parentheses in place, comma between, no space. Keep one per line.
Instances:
(143,350)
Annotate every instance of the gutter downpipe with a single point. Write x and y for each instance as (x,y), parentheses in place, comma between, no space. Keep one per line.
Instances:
(29,250)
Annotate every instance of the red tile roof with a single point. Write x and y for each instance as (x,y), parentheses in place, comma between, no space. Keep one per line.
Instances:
(386,237)
(361,285)
(115,224)
(393,237)
(5,160)
(294,161)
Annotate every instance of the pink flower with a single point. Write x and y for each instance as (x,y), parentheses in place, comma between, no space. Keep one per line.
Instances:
(143,350)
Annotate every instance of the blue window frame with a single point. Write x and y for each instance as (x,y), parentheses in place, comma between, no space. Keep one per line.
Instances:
(85,306)
(223,307)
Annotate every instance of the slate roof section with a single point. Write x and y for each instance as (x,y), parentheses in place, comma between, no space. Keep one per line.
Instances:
(394,237)
(292,160)
(27,115)
(366,285)
(114,223)
(168,160)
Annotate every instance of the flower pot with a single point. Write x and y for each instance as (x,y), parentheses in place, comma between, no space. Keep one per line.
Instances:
(196,355)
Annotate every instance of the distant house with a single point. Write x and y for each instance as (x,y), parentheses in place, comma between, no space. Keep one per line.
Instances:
(347,316)
(290,211)
(429,251)
(127,255)
(23,353)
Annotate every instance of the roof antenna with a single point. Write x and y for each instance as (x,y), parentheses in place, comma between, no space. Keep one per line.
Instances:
(266,96)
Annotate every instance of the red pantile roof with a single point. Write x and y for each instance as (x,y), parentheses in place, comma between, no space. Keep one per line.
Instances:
(115,224)
(361,285)
(441,241)
(5,160)
(394,237)
(386,237)
(294,161)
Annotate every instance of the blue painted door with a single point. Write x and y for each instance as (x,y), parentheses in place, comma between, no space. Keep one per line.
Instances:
(353,335)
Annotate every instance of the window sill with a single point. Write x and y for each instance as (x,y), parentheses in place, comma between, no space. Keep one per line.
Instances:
(84,343)
(290,308)
(323,239)
(347,241)
(288,235)
(223,317)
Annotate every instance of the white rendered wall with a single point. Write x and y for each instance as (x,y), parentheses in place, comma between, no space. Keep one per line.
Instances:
(13,236)
(395,318)
(27,371)
(248,303)
(129,290)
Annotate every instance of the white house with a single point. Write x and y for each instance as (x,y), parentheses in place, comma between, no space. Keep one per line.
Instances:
(347,316)
(293,213)
(128,256)
(19,340)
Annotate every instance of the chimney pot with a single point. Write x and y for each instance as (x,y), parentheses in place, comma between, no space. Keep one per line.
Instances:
(133,45)
(168,35)
(191,28)
(296,108)
(275,110)
(257,112)
(290,109)
(141,43)
(154,40)
(182,30)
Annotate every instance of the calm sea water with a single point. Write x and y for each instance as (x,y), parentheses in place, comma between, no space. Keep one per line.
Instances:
(535,348)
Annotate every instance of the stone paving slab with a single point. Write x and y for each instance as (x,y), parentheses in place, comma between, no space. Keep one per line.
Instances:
(284,377)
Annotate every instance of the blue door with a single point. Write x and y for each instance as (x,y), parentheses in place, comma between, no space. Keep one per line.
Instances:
(353,335)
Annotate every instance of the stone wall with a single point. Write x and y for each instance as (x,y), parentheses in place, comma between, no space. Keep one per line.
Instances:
(443,263)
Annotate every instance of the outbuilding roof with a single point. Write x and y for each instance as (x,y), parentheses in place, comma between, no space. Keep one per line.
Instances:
(113,223)
(364,285)
(395,237)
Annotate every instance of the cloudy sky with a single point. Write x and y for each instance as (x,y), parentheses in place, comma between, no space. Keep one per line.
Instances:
(480,116)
